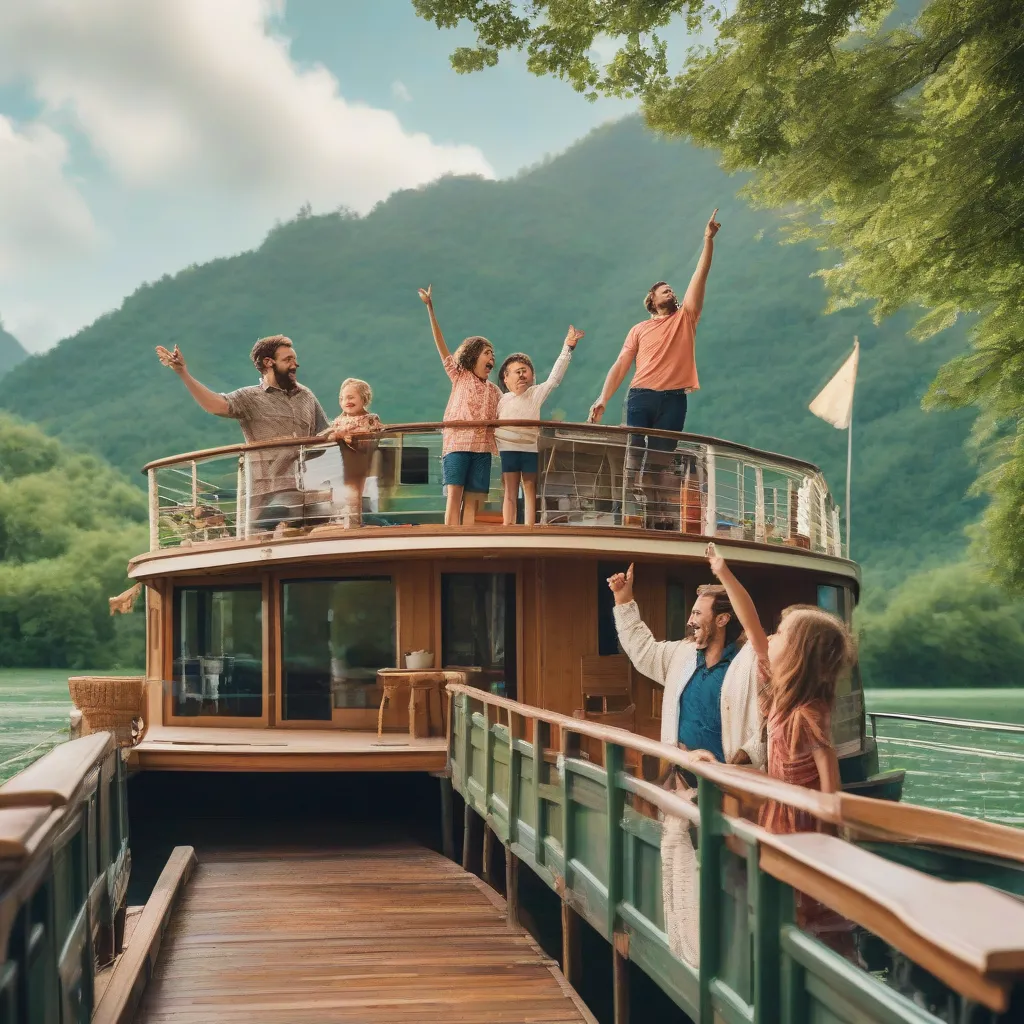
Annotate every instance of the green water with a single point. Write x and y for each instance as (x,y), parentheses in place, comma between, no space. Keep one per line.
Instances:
(34,713)
(957,769)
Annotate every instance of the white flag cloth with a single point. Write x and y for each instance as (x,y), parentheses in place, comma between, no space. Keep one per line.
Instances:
(835,400)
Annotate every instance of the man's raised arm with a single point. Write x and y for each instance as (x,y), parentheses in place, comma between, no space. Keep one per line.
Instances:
(616,375)
(207,399)
(694,298)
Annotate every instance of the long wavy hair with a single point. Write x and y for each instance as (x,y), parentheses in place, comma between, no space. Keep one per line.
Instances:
(818,648)
(469,351)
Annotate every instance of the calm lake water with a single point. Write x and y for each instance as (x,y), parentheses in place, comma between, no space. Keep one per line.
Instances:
(957,769)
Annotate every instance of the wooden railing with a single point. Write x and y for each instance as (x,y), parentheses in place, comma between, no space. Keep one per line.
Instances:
(64,866)
(588,824)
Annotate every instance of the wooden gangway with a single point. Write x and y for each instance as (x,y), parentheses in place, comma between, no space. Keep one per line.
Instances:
(391,933)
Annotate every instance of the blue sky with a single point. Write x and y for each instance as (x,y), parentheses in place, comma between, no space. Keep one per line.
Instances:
(136,139)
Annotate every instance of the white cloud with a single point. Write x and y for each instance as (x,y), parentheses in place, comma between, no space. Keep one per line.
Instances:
(401,91)
(42,215)
(200,94)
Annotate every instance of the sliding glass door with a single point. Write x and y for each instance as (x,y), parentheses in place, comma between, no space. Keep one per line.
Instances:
(335,635)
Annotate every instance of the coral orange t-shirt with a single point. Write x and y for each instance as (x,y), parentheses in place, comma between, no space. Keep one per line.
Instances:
(663,348)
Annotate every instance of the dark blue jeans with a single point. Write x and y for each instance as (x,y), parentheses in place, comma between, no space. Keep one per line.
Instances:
(657,410)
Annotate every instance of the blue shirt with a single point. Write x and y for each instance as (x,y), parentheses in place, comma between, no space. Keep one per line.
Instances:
(700,706)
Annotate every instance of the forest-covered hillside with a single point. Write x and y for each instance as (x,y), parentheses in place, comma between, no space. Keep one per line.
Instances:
(11,351)
(578,239)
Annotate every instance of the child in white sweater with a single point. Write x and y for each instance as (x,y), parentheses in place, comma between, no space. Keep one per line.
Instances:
(517,446)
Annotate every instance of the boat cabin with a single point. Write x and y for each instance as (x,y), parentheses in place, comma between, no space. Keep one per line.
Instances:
(273,620)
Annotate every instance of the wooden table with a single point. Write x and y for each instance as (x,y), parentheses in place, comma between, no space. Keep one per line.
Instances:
(426,699)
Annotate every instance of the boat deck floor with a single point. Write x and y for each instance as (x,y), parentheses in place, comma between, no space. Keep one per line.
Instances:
(204,748)
(391,933)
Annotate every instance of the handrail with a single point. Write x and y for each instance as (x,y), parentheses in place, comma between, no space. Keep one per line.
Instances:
(425,428)
(734,779)
(568,819)
(897,822)
(958,723)
(65,863)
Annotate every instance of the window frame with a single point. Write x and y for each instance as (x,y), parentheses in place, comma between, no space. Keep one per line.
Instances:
(220,721)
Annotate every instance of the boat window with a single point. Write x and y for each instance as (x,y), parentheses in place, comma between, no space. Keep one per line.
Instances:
(607,635)
(677,610)
(833,600)
(335,635)
(478,627)
(218,652)
(415,468)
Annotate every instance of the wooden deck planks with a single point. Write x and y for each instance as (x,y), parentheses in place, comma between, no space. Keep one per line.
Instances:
(206,748)
(393,934)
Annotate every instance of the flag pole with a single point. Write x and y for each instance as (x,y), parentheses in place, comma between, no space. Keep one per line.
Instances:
(849,463)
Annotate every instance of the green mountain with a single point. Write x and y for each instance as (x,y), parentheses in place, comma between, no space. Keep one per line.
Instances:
(11,351)
(577,239)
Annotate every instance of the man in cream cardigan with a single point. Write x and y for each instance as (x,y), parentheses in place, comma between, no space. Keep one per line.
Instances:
(711,684)
(711,707)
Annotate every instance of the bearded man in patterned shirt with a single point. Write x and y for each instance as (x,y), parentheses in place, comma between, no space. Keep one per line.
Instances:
(277,407)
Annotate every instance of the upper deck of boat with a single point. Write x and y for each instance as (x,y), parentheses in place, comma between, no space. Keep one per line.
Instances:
(605,491)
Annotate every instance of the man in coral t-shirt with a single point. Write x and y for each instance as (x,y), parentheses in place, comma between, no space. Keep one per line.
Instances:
(663,349)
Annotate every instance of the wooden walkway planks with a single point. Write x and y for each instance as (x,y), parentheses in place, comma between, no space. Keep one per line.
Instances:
(392,934)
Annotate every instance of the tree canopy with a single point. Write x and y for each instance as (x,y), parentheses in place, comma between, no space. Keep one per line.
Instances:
(896,141)
(68,525)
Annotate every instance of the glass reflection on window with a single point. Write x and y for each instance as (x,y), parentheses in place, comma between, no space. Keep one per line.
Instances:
(218,652)
(478,627)
(336,634)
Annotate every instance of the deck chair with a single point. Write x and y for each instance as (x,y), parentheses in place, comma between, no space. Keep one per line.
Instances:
(606,682)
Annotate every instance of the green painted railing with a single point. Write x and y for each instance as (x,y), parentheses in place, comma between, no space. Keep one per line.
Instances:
(64,866)
(588,827)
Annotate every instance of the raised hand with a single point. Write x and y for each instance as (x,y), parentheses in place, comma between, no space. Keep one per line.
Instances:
(715,560)
(712,229)
(426,296)
(596,412)
(573,336)
(175,360)
(621,585)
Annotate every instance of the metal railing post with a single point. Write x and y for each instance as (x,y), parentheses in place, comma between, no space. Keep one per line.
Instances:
(759,504)
(154,512)
(240,502)
(711,512)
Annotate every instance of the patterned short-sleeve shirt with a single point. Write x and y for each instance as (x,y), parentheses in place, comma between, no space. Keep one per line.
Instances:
(471,399)
(265,413)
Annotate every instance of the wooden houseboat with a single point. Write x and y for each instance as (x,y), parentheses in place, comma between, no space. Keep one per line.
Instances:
(282,640)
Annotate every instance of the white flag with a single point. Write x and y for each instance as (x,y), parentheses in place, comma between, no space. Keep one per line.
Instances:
(835,400)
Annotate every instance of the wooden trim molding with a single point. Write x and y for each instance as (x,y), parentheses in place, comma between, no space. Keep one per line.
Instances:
(131,973)
(964,933)
(507,542)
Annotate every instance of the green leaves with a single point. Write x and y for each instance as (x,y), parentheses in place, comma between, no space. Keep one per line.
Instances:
(68,525)
(897,143)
